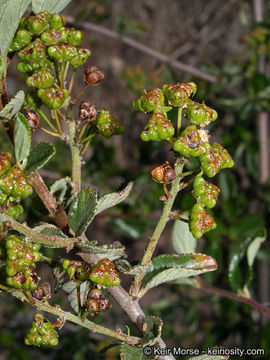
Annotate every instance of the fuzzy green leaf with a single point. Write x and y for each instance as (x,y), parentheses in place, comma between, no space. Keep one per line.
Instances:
(128,352)
(112,251)
(70,288)
(39,156)
(152,326)
(113,199)
(62,186)
(255,245)
(82,210)
(165,268)
(22,139)
(182,239)
(10,15)
(13,107)
(53,6)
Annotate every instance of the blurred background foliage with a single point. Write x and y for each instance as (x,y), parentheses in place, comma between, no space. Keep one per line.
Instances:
(222,39)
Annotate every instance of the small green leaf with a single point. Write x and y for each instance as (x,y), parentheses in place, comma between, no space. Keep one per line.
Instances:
(165,268)
(254,246)
(61,185)
(128,352)
(112,251)
(71,288)
(82,210)
(39,156)
(113,199)
(152,326)
(53,6)
(13,107)
(10,16)
(182,239)
(22,139)
(49,229)
(209,357)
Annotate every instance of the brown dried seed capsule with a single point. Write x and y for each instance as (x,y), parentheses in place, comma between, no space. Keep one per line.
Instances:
(43,292)
(33,119)
(169,175)
(93,75)
(163,174)
(88,112)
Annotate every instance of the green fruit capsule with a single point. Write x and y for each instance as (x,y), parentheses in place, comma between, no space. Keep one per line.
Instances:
(21,39)
(27,68)
(15,211)
(190,143)
(70,52)
(104,273)
(41,332)
(14,183)
(5,162)
(38,23)
(151,101)
(3,198)
(200,114)
(36,52)
(32,101)
(77,270)
(56,52)
(159,127)
(108,125)
(200,222)
(54,36)
(57,21)
(25,279)
(206,192)
(81,58)
(53,98)
(215,159)
(43,78)
(178,94)
(74,37)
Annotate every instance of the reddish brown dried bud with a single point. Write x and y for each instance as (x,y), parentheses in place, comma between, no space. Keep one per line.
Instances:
(93,75)
(43,292)
(163,174)
(33,119)
(88,112)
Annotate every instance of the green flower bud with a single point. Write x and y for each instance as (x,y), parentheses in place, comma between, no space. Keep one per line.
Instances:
(43,78)
(200,222)
(178,94)
(159,127)
(108,125)
(190,143)
(151,101)
(53,98)
(200,113)
(206,192)
(104,273)
(215,159)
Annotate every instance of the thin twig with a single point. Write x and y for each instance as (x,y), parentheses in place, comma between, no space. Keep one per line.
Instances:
(230,295)
(143,48)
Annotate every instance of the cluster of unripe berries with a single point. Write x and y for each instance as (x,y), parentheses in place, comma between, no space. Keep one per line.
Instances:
(21,256)
(13,186)
(193,141)
(103,274)
(43,42)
